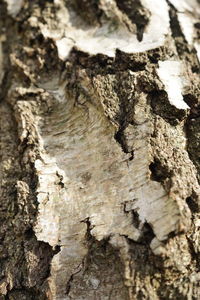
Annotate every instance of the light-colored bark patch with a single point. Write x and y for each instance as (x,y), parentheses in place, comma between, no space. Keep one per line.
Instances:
(170,73)
(14,6)
(87,177)
(110,36)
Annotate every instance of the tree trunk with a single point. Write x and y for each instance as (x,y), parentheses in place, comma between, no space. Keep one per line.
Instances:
(100,149)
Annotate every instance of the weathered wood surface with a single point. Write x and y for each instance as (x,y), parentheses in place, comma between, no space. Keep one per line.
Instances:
(100,149)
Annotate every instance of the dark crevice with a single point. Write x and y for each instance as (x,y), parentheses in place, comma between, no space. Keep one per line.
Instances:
(137,13)
(69,285)
(194,254)
(89,236)
(132,155)
(123,122)
(101,64)
(42,3)
(193,103)
(70,281)
(120,138)
(159,53)
(4,87)
(56,249)
(158,172)
(191,100)
(175,26)
(104,65)
(88,10)
(135,62)
(124,116)
(197,25)
(135,218)
(60,183)
(29,233)
(147,234)
(192,204)
(161,106)
(184,50)
(194,113)
(172,235)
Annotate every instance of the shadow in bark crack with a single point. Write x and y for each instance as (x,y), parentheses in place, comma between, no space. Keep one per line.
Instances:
(137,13)
(158,172)
(102,276)
(38,256)
(192,204)
(162,107)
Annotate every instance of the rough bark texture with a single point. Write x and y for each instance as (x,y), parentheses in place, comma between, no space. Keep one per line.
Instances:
(100,149)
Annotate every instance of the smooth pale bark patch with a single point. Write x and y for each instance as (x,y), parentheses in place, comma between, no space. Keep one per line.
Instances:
(171,74)
(187,26)
(14,6)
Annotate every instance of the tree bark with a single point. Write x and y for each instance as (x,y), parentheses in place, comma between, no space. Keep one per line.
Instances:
(100,149)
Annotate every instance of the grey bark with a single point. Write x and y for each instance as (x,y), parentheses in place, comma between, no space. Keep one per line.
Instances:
(100,159)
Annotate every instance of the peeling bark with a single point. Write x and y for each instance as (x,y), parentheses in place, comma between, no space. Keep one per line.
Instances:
(99,149)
